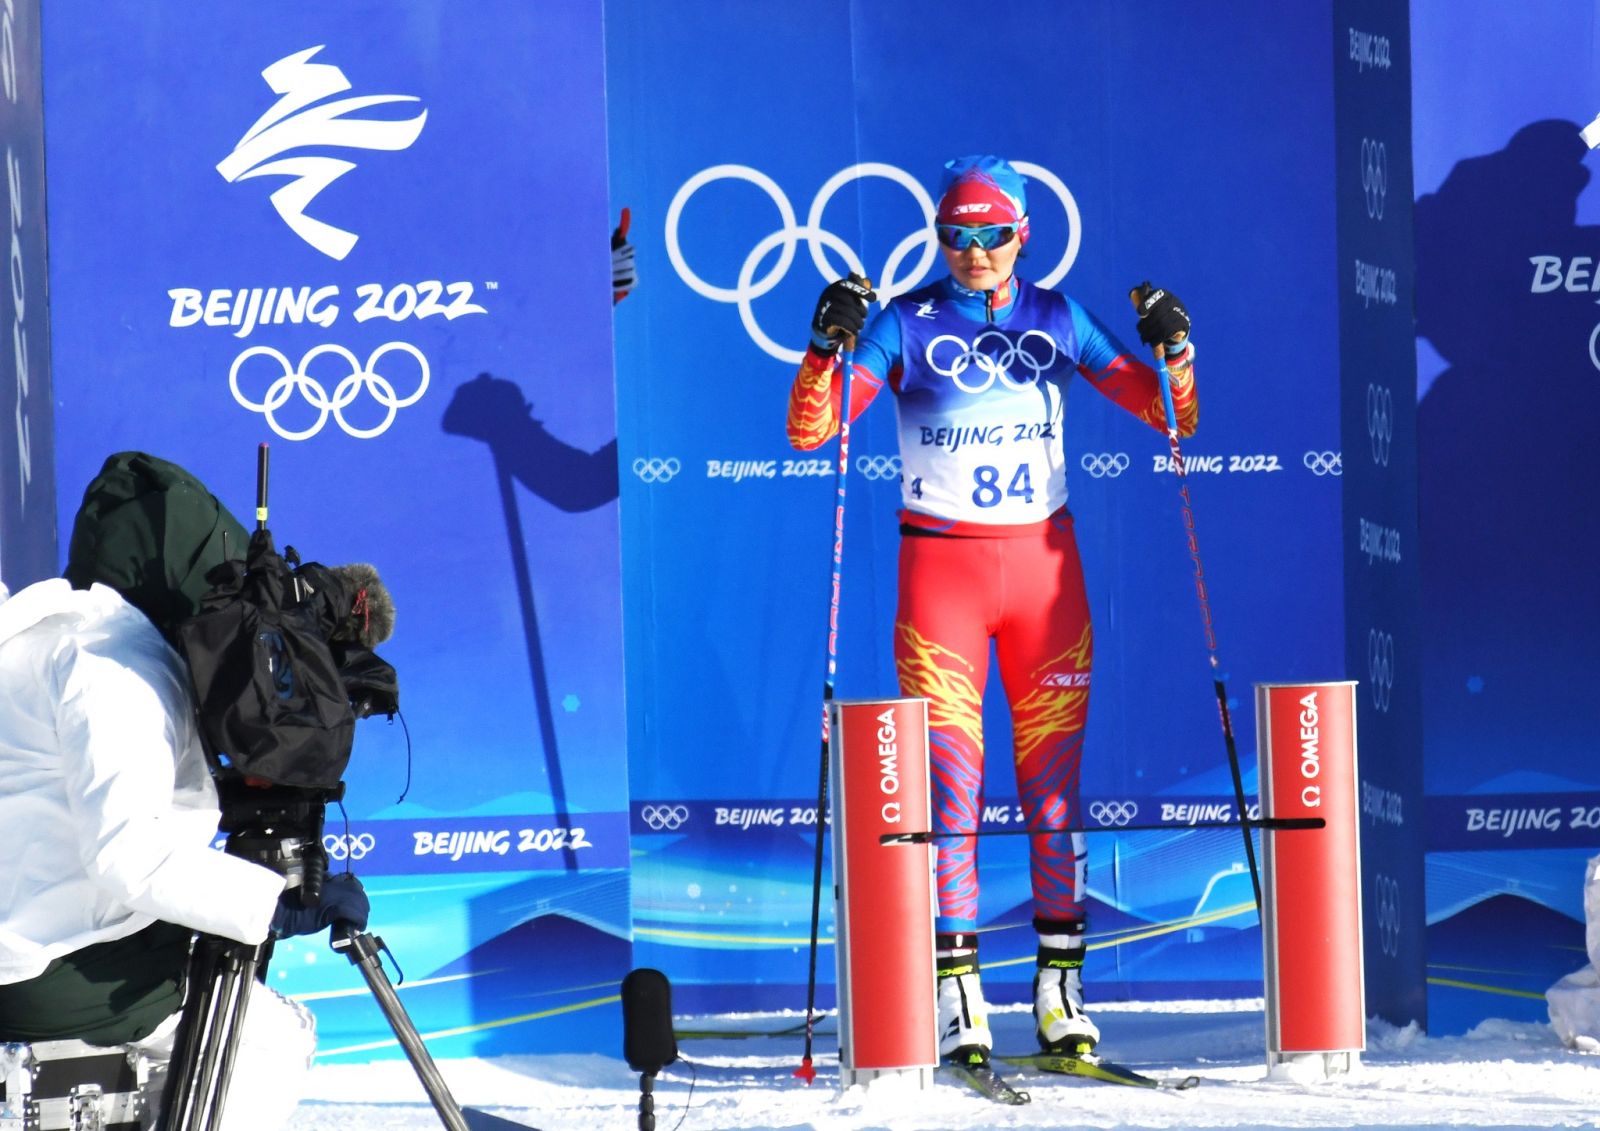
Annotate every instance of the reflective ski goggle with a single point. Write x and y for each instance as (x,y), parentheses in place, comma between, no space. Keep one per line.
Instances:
(959,237)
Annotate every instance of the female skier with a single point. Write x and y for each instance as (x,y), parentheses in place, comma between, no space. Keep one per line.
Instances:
(979,363)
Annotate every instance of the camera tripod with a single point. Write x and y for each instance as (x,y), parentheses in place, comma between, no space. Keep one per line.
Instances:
(280,828)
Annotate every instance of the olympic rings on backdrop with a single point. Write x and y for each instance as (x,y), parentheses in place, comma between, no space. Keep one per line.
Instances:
(1388,897)
(1104,465)
(1115,813)
(1380,668)
(993,364)
(345,847)
(297,379)
(879,467)
(888,281)
(1374,175)
(664,818)
(656,470)
(1323,463)
(1380,422)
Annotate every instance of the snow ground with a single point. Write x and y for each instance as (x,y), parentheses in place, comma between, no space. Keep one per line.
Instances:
(1501,1075)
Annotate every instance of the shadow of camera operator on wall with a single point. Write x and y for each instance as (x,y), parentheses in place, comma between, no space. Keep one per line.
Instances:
(494,410)
(1507,291)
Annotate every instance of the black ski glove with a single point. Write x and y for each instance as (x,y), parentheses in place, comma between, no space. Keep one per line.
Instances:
(1161,316)
(841,312)
(344,900)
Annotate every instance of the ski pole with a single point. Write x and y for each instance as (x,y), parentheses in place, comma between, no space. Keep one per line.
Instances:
(847,352)
(1282,824)
(1219,678)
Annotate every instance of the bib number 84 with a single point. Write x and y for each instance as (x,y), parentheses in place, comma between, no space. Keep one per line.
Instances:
(987,491)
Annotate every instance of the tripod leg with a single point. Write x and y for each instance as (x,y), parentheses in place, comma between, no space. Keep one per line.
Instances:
(220,976)
(243,977)
(193,1032)
(363,951)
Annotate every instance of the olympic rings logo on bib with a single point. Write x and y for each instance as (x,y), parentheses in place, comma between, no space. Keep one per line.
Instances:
(890,280)
(994,361)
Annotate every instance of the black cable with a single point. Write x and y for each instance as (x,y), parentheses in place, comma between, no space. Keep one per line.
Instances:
(693,1076)
(401,716)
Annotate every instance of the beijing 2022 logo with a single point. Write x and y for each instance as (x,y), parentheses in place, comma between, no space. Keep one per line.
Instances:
(310,138)
(274,146)
(891,280)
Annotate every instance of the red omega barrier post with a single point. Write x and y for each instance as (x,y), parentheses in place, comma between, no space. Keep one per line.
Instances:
(1311,921)
(884,893)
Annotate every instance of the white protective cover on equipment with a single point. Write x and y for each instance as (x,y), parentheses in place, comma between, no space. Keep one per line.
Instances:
(1575,1000)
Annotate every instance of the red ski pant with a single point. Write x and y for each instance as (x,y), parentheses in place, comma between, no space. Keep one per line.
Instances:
(1025,592)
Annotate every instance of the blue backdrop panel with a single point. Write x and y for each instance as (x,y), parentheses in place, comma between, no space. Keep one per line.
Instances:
(1372,139)
(755,177)
(1507,216)
(27,461)
(339,229)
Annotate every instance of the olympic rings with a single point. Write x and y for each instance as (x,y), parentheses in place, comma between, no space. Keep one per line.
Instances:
(1374,175)
(297,379)
(1104,465)
(1387,893)
(1380,422)
(656,470)
(879,467)
(993,365)
(1115,813)
(1380,668)
(664,818)
(1323,463)
(819,240)
(343,847)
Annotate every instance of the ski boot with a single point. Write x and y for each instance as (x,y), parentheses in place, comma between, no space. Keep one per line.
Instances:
(1062,1026)
(963,1016)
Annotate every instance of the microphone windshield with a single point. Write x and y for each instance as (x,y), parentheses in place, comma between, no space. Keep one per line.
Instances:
(647,1040)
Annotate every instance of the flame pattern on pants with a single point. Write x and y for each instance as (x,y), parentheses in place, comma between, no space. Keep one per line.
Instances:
(1025,592)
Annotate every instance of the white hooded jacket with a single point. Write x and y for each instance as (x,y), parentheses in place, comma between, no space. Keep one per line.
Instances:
(106,803)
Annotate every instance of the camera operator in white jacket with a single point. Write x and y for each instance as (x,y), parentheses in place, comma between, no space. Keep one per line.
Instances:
(109,814)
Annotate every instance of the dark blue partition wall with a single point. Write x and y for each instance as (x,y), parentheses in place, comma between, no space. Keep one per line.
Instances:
(1372,139)
(27,460)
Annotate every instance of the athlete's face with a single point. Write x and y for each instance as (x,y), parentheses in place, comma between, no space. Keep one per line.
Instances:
(980,269)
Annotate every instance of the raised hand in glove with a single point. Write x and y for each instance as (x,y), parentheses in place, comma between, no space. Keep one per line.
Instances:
(841,312)
(344,900)
(623,275)
(1162,319)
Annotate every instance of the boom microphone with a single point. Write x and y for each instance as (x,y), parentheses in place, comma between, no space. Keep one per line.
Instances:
(648,1043)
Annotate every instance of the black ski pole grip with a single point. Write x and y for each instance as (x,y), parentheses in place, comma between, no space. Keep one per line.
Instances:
(261,487)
